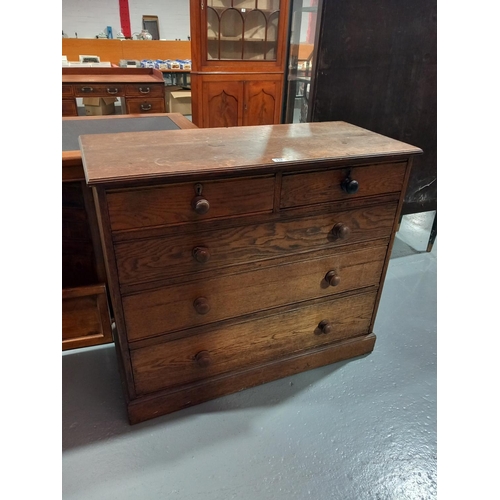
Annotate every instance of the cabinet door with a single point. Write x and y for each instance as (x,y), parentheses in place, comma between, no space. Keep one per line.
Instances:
(222,104)
(262,103)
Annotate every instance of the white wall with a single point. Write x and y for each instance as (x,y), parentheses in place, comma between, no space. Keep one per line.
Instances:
(89,17)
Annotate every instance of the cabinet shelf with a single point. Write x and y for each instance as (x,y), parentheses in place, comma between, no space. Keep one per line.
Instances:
(238,39)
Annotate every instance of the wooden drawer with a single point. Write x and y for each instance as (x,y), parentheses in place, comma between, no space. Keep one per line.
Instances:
(239,346)
(160,258)
(67,90)
(69,107)
(99,90)
(321,187)
(145,90)
(145,105)
(85,317)
(206,301)
(172,204)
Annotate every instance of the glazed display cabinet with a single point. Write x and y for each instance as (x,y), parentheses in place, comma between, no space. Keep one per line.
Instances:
(238,61)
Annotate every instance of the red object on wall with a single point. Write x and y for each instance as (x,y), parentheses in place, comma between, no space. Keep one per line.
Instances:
(125,18)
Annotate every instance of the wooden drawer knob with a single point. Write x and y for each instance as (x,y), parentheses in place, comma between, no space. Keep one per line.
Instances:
(200,205)
(325,327)
(201,305)
(350,186)
(203,359)
(201,254)
(341,231)
(332,278)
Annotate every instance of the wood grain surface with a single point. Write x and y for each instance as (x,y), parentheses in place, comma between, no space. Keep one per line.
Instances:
(172,308)
(173,363)
(161,258)
(161,155)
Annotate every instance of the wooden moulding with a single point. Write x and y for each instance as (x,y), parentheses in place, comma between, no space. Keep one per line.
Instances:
(85,317)
(165,402)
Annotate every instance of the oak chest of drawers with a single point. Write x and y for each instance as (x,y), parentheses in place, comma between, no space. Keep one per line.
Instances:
(241,255)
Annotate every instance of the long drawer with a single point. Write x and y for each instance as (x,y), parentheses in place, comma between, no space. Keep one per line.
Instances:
(320,187)
(160,258)
(99,90)
(176,203)
(205,301)
(245,344)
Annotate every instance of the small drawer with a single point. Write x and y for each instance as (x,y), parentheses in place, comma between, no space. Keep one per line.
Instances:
(311,188)
(69,107)
(146,90)
(240,346)
(205,301)
(109,90)
(189,202)
(160,258)
(145,105)
(67,90)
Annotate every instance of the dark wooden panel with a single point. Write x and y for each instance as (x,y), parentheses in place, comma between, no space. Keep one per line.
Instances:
(174,255)
(176,362)
(174,308)
(377,69)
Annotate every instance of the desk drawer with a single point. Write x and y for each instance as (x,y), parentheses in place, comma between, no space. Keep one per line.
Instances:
(160,258)
(206,301)
(99,90)
(69,107)
(145,105)
(321,187)
(247,344)
(67,90)
(177,203)
(146,90)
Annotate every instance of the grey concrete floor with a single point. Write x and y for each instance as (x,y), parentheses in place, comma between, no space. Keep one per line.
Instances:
(361,429)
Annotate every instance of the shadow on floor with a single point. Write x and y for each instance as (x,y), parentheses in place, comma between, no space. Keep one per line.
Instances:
(97,411)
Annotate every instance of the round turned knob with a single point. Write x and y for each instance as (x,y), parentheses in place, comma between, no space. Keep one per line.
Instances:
(200,205)
(332,278)
(203,359)
(326,327)
(341,231)
(201,305)
(350,186)
(201,254)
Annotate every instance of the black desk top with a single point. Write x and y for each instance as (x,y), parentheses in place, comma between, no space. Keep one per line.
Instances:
(73,128)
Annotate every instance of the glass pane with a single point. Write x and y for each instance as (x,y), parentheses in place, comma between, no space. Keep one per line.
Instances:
(255,35)
(242,29)
(231,34)
(272,36)
(301,60)
(219,3)
(213,29)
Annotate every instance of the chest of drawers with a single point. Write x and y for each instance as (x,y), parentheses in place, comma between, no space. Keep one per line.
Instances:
(238,256)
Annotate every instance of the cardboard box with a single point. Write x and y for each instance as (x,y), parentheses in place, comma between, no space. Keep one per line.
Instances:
(179,101)
(168,90)
(99,105)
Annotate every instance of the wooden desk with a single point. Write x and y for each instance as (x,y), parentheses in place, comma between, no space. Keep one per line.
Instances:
(86,315)
(142,89)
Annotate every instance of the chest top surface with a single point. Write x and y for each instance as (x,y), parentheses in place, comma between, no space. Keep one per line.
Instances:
(163,155)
